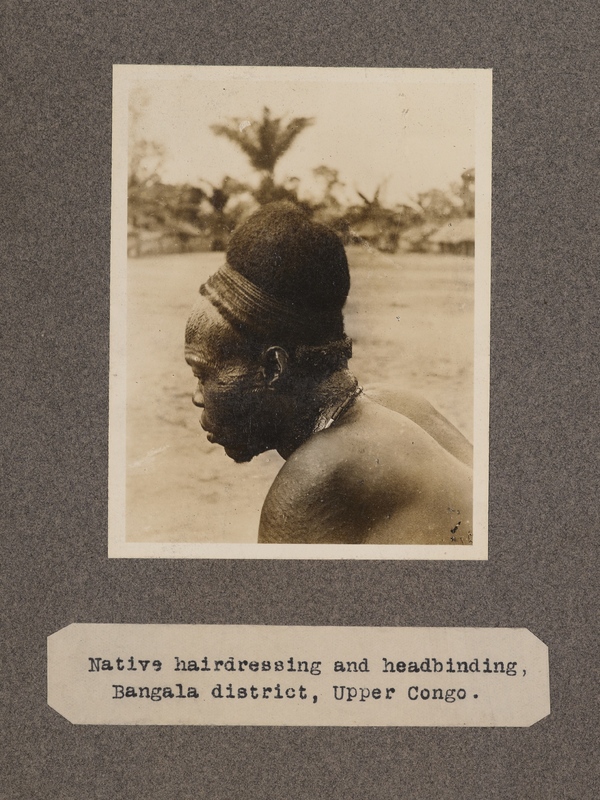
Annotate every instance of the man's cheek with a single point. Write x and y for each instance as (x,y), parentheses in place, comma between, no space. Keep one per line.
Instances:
(234,400)
(224,410)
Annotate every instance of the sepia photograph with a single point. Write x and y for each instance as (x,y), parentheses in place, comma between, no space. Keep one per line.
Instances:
(300,285)
(300,361)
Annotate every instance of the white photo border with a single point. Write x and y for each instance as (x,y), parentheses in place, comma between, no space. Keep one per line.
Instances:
(124,76)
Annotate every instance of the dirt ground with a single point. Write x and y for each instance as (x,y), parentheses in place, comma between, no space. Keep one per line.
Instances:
(410,317)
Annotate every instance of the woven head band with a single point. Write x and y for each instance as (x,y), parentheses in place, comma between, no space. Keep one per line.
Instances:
(245,305)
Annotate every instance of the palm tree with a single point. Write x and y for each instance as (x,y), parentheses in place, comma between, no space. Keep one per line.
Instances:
(264,141)
(220,223)
(380,225)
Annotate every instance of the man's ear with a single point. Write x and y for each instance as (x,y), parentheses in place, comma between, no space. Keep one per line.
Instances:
(274,365)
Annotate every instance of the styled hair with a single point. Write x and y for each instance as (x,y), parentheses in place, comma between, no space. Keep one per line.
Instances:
(285,276)
(296,261)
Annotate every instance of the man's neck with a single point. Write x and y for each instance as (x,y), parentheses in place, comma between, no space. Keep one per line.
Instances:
(316,402)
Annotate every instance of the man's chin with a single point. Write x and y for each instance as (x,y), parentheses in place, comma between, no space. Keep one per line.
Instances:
(241,455)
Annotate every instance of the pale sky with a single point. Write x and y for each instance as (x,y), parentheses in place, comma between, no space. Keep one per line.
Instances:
(409,136)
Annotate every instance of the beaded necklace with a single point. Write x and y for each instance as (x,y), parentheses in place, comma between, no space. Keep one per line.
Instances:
(327,417)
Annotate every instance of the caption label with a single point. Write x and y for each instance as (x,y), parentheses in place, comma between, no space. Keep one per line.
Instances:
(270,675)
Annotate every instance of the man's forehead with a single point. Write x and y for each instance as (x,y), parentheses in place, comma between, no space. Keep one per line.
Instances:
(205,326)
(203,344)
(202,315)
(208,337)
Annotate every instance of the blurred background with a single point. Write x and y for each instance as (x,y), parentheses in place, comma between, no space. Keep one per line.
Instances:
(388,166)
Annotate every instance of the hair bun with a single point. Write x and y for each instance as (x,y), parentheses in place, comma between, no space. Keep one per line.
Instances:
(297,261)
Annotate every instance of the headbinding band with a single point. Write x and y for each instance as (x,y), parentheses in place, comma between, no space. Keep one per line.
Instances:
(245,305)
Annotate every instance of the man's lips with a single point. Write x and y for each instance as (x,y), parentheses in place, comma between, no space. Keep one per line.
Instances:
(210,436)
(236,452)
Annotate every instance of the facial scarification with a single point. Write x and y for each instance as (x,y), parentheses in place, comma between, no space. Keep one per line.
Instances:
(235,410)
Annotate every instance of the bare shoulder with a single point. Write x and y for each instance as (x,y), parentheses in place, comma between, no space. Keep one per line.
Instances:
(311,496)
(354,482)
(418,409)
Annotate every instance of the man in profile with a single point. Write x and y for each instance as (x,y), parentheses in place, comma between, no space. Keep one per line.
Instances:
(266,343)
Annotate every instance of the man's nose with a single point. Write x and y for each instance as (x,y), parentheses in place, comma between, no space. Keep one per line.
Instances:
(198,396)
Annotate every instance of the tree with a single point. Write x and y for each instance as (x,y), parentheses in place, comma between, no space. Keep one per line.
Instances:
(265,141)
(145,159)
(438,205)
(221,222)
(379,225)
(331,180)
(466,191)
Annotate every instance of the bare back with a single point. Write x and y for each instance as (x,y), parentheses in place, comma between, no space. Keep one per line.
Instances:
(419,410)
(376,477)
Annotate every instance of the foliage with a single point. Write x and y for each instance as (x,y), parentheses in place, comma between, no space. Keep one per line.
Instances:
(186,212)
(264,141)
(466,192)
(379,225)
